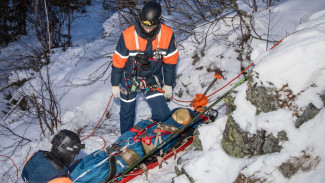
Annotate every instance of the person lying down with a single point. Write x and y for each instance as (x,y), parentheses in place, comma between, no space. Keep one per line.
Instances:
(103,165)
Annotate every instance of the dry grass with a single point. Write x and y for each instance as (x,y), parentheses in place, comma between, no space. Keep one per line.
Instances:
(305,162)
(241,178)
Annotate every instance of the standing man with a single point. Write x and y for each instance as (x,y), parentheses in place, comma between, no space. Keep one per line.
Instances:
(144,60)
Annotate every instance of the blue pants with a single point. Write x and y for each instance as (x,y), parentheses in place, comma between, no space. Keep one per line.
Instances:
(157,103)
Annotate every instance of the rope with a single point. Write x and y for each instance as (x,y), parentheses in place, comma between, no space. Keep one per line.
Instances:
(99,120)
(91,134)
(237,75)
(12,163)
(232,80)
(181,100)
(221,87)
(276,44)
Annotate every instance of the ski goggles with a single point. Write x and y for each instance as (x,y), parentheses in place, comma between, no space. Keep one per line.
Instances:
(149,24)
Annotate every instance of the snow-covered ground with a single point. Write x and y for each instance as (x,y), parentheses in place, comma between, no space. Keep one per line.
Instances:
(297,61)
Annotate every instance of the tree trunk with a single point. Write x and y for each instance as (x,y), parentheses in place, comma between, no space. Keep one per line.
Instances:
(48,28)
(69,25)
(4,34)
(255,6)
(37,24)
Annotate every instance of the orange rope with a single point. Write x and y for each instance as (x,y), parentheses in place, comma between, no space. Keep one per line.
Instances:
(181,100)
(99,120)
(221,87)
(238,74)
(12,163)
(276,44)
(232,80)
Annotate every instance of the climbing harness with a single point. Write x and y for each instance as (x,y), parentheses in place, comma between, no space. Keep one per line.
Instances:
(136,83)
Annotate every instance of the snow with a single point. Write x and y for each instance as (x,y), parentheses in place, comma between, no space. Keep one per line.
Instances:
(302,52)
(297,61)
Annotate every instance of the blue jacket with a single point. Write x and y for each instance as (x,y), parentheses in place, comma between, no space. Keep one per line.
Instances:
(38,169)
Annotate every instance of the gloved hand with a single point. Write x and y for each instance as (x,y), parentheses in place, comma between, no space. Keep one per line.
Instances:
(116,91)
(168,91)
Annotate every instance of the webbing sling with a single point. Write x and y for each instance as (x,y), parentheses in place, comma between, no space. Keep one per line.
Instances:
(113,168)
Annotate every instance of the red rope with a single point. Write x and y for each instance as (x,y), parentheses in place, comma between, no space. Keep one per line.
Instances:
(276,44)
(99,120)
(221,87)
(12,163)
(181,100)
(103,141)
(232,80)
(238,74)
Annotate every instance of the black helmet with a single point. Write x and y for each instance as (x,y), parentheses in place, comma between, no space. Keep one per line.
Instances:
(150,15)
(66,145)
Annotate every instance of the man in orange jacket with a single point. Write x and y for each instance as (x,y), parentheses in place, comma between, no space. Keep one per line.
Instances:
(53,166)
(144,61)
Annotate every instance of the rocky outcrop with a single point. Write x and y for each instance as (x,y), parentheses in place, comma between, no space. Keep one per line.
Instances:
(238,143)
(196,141)
(305,162)
(181,171)
(264,98)
(309,113)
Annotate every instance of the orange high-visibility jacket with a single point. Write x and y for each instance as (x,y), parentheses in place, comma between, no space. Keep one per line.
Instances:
(133,42)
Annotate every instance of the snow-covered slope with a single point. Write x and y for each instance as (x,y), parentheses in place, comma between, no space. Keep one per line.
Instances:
(296,61)
(299,62)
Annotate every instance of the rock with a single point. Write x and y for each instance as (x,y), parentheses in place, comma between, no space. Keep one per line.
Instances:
(271,145)
(178,171)
(288,169)
(282,136)
(305,162)
(196,141)
(309,113)
(241,178)
(182,172)
(264,98)
(181,178)
(238,143)
(232,141)
(323,99)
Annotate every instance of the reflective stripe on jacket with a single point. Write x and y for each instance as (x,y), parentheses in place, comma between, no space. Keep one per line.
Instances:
(126,49)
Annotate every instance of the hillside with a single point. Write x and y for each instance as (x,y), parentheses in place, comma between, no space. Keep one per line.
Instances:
(283,99)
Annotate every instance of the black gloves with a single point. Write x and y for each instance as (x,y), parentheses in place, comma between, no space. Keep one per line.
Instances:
(143,60)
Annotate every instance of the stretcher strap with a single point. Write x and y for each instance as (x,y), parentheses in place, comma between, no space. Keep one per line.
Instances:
(139,132)
(112,165)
